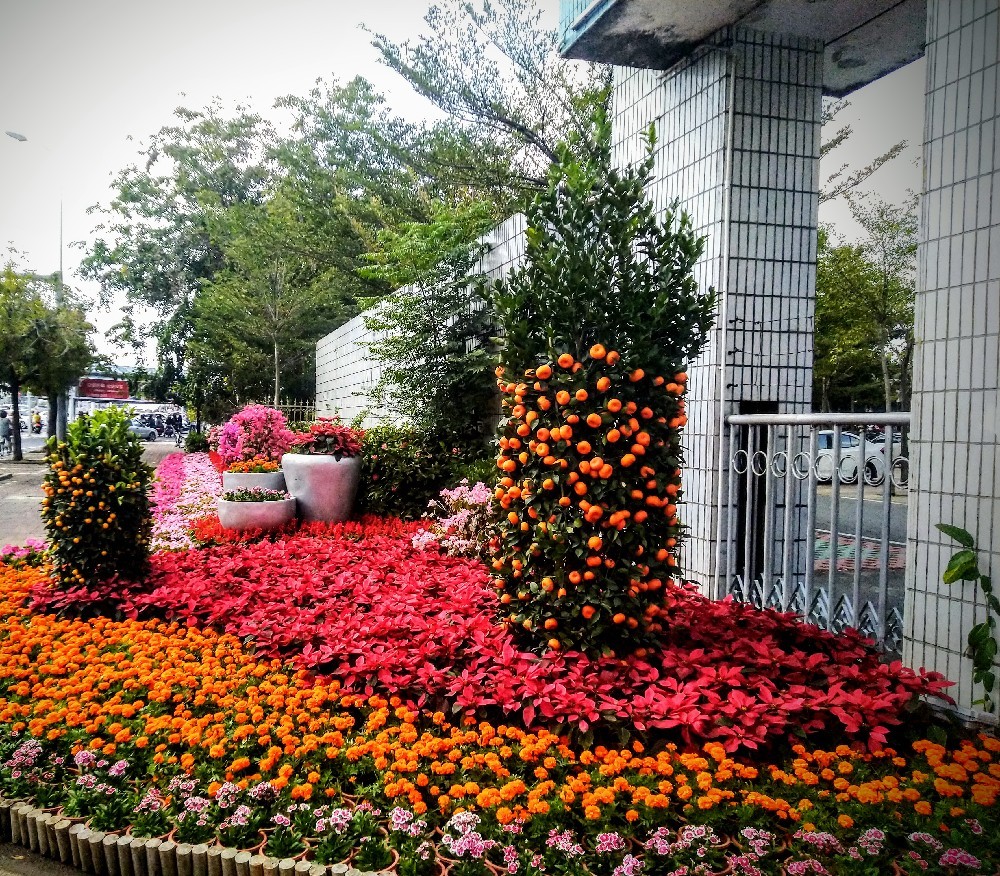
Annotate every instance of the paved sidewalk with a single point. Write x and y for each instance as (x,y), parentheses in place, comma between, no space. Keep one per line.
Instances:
(16,861)
(20,497)
(21,493)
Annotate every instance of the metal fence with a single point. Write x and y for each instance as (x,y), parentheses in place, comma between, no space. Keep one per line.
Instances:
(295,411)
(813,519)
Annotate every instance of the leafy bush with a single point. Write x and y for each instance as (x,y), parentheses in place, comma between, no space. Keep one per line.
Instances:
(598,323)
(405,468)
(328,436)
(96,507)
(196,442)
(460,521)
(256,431)
(255,494)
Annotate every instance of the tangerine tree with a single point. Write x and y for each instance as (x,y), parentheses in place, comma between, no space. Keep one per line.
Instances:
(599,323)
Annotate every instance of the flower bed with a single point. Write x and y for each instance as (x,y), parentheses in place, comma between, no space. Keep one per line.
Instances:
(185,704)
(186,488)
(725,671)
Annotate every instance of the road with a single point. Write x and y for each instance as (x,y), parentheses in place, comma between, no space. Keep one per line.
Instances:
(871,526)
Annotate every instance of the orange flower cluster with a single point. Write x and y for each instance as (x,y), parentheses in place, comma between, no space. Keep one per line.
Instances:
(188,700)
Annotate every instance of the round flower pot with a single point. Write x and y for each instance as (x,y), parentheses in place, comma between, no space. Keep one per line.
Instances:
(323,485)
(268,480)
(256,515)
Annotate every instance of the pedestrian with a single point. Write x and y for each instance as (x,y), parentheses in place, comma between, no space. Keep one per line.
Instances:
(6,433)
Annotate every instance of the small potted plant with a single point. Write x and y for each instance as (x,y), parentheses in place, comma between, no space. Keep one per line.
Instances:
(284,841)
(695,845)
(256,435)
(240,824)
(149,815)
(410,837)
(257,472)
(323,468)
(98,793)
(464,849)
(255,509)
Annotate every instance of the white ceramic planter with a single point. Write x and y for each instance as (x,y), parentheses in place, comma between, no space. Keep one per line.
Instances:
(324,486)
(270,480)
(256,515)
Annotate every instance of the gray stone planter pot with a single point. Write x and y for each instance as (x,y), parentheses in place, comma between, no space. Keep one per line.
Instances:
(256,515)
(324,486)
(233,480)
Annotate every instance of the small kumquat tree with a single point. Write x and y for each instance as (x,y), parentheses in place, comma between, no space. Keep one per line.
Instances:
(598,324)
(96,506)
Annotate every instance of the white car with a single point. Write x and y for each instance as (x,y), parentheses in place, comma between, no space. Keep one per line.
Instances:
(146,433)
(850,453)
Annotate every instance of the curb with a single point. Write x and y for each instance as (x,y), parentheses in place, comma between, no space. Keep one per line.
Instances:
(121,854)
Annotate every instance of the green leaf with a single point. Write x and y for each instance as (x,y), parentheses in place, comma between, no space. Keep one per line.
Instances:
(956,532)
(961,566)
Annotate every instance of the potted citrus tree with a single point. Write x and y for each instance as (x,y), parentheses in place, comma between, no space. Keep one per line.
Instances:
(323,468)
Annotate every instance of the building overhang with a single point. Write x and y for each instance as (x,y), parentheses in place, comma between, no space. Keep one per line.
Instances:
(864,39)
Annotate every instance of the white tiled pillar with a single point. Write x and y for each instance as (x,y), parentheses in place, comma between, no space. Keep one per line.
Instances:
(956,460)
(738,127)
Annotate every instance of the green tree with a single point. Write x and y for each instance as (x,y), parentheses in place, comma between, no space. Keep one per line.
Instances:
(60,352)
(20,307)
(286,283)
(154,248)
(864,309)
(508,96)
(598,324)
(434,334)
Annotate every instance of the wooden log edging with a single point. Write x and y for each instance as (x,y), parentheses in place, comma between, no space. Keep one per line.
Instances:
(102,853)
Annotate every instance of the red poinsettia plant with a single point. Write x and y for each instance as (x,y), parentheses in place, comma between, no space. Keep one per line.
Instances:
(328,436)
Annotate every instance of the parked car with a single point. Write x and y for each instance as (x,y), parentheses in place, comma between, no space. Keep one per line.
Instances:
(146,433)
(850,453)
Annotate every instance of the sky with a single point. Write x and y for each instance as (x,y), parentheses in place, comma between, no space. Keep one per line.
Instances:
(87,82)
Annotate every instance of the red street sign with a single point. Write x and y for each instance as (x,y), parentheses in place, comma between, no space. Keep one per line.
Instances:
(95,387)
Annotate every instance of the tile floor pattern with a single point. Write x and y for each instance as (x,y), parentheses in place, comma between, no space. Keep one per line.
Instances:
(846,550)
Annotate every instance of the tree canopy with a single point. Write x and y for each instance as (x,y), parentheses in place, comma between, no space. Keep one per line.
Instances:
(864,310)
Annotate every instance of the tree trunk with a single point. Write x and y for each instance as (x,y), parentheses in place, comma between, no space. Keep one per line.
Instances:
(15,424)
(277,374)
(906,376)
(50,426)
(886,380)
(824,383)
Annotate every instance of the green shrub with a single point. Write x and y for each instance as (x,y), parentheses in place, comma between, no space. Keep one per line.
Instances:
(195,442)
(405,468)
(96,506)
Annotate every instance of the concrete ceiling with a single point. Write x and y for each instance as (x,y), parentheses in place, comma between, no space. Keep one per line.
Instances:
(864,39)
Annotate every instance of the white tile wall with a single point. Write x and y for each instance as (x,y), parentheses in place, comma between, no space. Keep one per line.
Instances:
(956,470)
(757,203)
(346,372)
